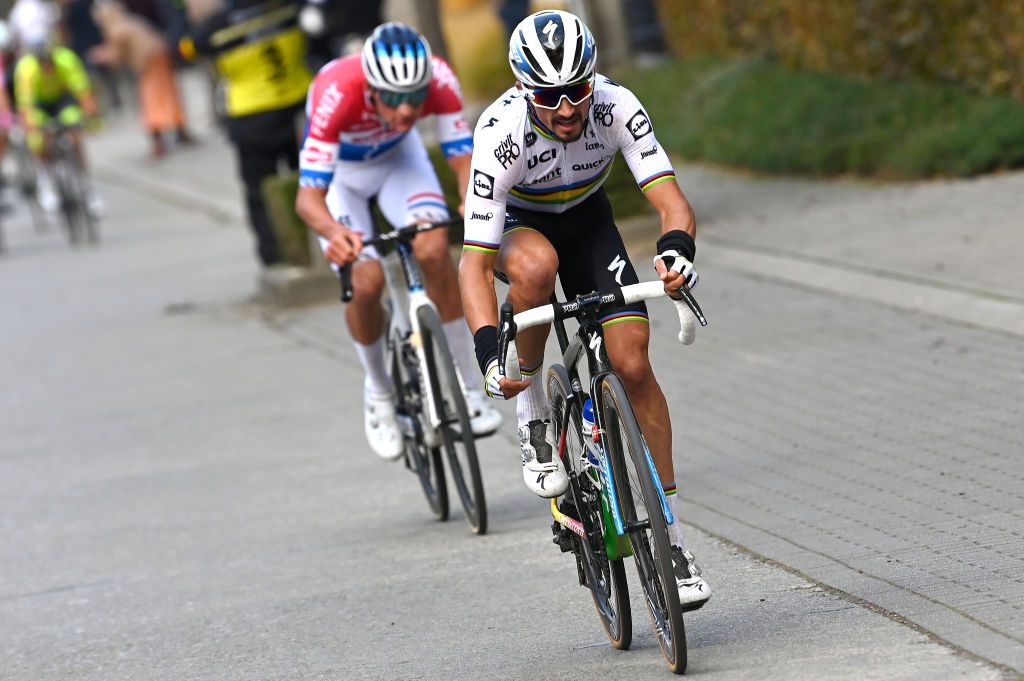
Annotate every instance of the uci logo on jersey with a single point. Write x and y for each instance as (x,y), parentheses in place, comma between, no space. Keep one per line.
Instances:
(639,125)
(543,157)
(483,185)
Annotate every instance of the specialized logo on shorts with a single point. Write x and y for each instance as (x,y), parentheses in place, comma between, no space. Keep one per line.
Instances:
(507,151)
(531,139)
(603,114)
(483,185)
(650,152)
(617,266)
(639,125)
(543,157)
(481,216)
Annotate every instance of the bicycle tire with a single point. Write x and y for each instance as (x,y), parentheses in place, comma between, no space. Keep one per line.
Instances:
(421,459)
(456,434)
(80,202)
(63,171)
(606,578)
(651,544)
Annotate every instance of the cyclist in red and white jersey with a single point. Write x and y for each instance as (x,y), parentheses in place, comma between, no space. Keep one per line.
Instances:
(360,143)
(537,209)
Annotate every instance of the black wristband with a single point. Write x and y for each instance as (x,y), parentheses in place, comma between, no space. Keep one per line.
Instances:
(485,342)
(679,241)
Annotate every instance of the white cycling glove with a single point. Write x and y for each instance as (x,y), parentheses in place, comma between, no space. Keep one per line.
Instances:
(492,381)
(681,265)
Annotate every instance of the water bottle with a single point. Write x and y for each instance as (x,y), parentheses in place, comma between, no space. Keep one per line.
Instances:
(588,421)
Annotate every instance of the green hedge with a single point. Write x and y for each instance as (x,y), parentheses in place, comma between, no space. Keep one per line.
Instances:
(975,44)
(764,117)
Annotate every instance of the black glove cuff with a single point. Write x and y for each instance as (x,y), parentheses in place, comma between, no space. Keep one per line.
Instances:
(680,241)
(485,342)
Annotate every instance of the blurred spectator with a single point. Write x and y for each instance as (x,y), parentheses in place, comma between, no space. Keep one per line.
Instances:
(335,26)
(32,22)
(512,12)
(259,52)
(82,35)
(130,39)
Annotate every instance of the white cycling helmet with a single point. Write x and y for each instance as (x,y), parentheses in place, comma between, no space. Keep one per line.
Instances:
(550,49)
(396,58)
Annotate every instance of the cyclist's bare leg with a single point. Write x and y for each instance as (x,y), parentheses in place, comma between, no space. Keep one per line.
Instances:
(431,251)
(627,344)
(530,262)
(364,313)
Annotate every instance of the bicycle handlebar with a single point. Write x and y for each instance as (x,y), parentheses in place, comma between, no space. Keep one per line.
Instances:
(688,310)
(406,234)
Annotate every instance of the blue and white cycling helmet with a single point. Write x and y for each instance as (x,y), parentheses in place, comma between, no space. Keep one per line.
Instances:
(396,58)
(552,48)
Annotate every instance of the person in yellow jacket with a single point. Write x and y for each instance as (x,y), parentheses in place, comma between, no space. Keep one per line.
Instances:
(50,84)
(259,52)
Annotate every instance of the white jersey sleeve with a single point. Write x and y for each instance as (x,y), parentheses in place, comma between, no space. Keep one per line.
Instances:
(633,133)
(497,166)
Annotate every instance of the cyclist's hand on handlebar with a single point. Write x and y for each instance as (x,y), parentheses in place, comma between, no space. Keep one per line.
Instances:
(673,276)
(344,247)
(500,387)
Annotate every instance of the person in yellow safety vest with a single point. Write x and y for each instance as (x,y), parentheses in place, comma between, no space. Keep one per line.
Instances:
(259,52)
(50,84)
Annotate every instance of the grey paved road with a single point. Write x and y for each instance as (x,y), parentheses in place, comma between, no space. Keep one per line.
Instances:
(184,490)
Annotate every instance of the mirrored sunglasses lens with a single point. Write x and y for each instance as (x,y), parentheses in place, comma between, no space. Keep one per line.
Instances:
(551,98)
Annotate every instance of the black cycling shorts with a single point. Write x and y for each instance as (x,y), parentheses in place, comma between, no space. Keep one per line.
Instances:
(591,255)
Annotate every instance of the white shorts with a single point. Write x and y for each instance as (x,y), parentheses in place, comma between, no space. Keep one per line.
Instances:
(404,182)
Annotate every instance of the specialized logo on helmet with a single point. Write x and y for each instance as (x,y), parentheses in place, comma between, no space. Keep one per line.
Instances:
(550,30)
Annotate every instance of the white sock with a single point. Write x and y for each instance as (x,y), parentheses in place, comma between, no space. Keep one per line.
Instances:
(461,345)
(372,357)
(675,530)
(531,404)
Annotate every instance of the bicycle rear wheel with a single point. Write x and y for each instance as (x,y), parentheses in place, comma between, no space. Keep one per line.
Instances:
(456,434)
(642,513)
(421,459)
(606,578)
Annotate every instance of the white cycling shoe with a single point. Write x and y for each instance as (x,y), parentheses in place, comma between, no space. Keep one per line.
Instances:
(694,592)
(484,419)
(382,431)
(543,472)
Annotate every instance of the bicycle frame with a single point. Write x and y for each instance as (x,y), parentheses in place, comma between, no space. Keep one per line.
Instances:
(589,341)
(407,294)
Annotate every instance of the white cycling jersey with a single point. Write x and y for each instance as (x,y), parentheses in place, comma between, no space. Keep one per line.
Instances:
(520,163)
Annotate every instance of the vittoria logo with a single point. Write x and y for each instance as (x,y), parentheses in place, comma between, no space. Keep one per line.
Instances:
(650,152)
(639,125)
(507,151)
(483,185)
(603,114)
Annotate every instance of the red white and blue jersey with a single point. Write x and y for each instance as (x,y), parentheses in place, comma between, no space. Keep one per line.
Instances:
(343,125)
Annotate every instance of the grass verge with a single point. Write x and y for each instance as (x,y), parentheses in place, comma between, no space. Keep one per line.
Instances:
(763,117)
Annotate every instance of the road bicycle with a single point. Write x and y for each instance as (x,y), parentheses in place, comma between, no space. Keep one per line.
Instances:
(71,185)
(429,391)
(615,506)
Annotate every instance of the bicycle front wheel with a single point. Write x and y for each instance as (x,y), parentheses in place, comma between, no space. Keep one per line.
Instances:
(420,458)
(605,578)
(456,434)
(644,519)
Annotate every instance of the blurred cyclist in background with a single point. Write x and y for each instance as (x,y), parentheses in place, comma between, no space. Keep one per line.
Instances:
(51,85)
(361,143)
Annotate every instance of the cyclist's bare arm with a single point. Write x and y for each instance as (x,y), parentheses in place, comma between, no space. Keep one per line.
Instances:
(311,206)
(675,213)
(480,304)
(460,167)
